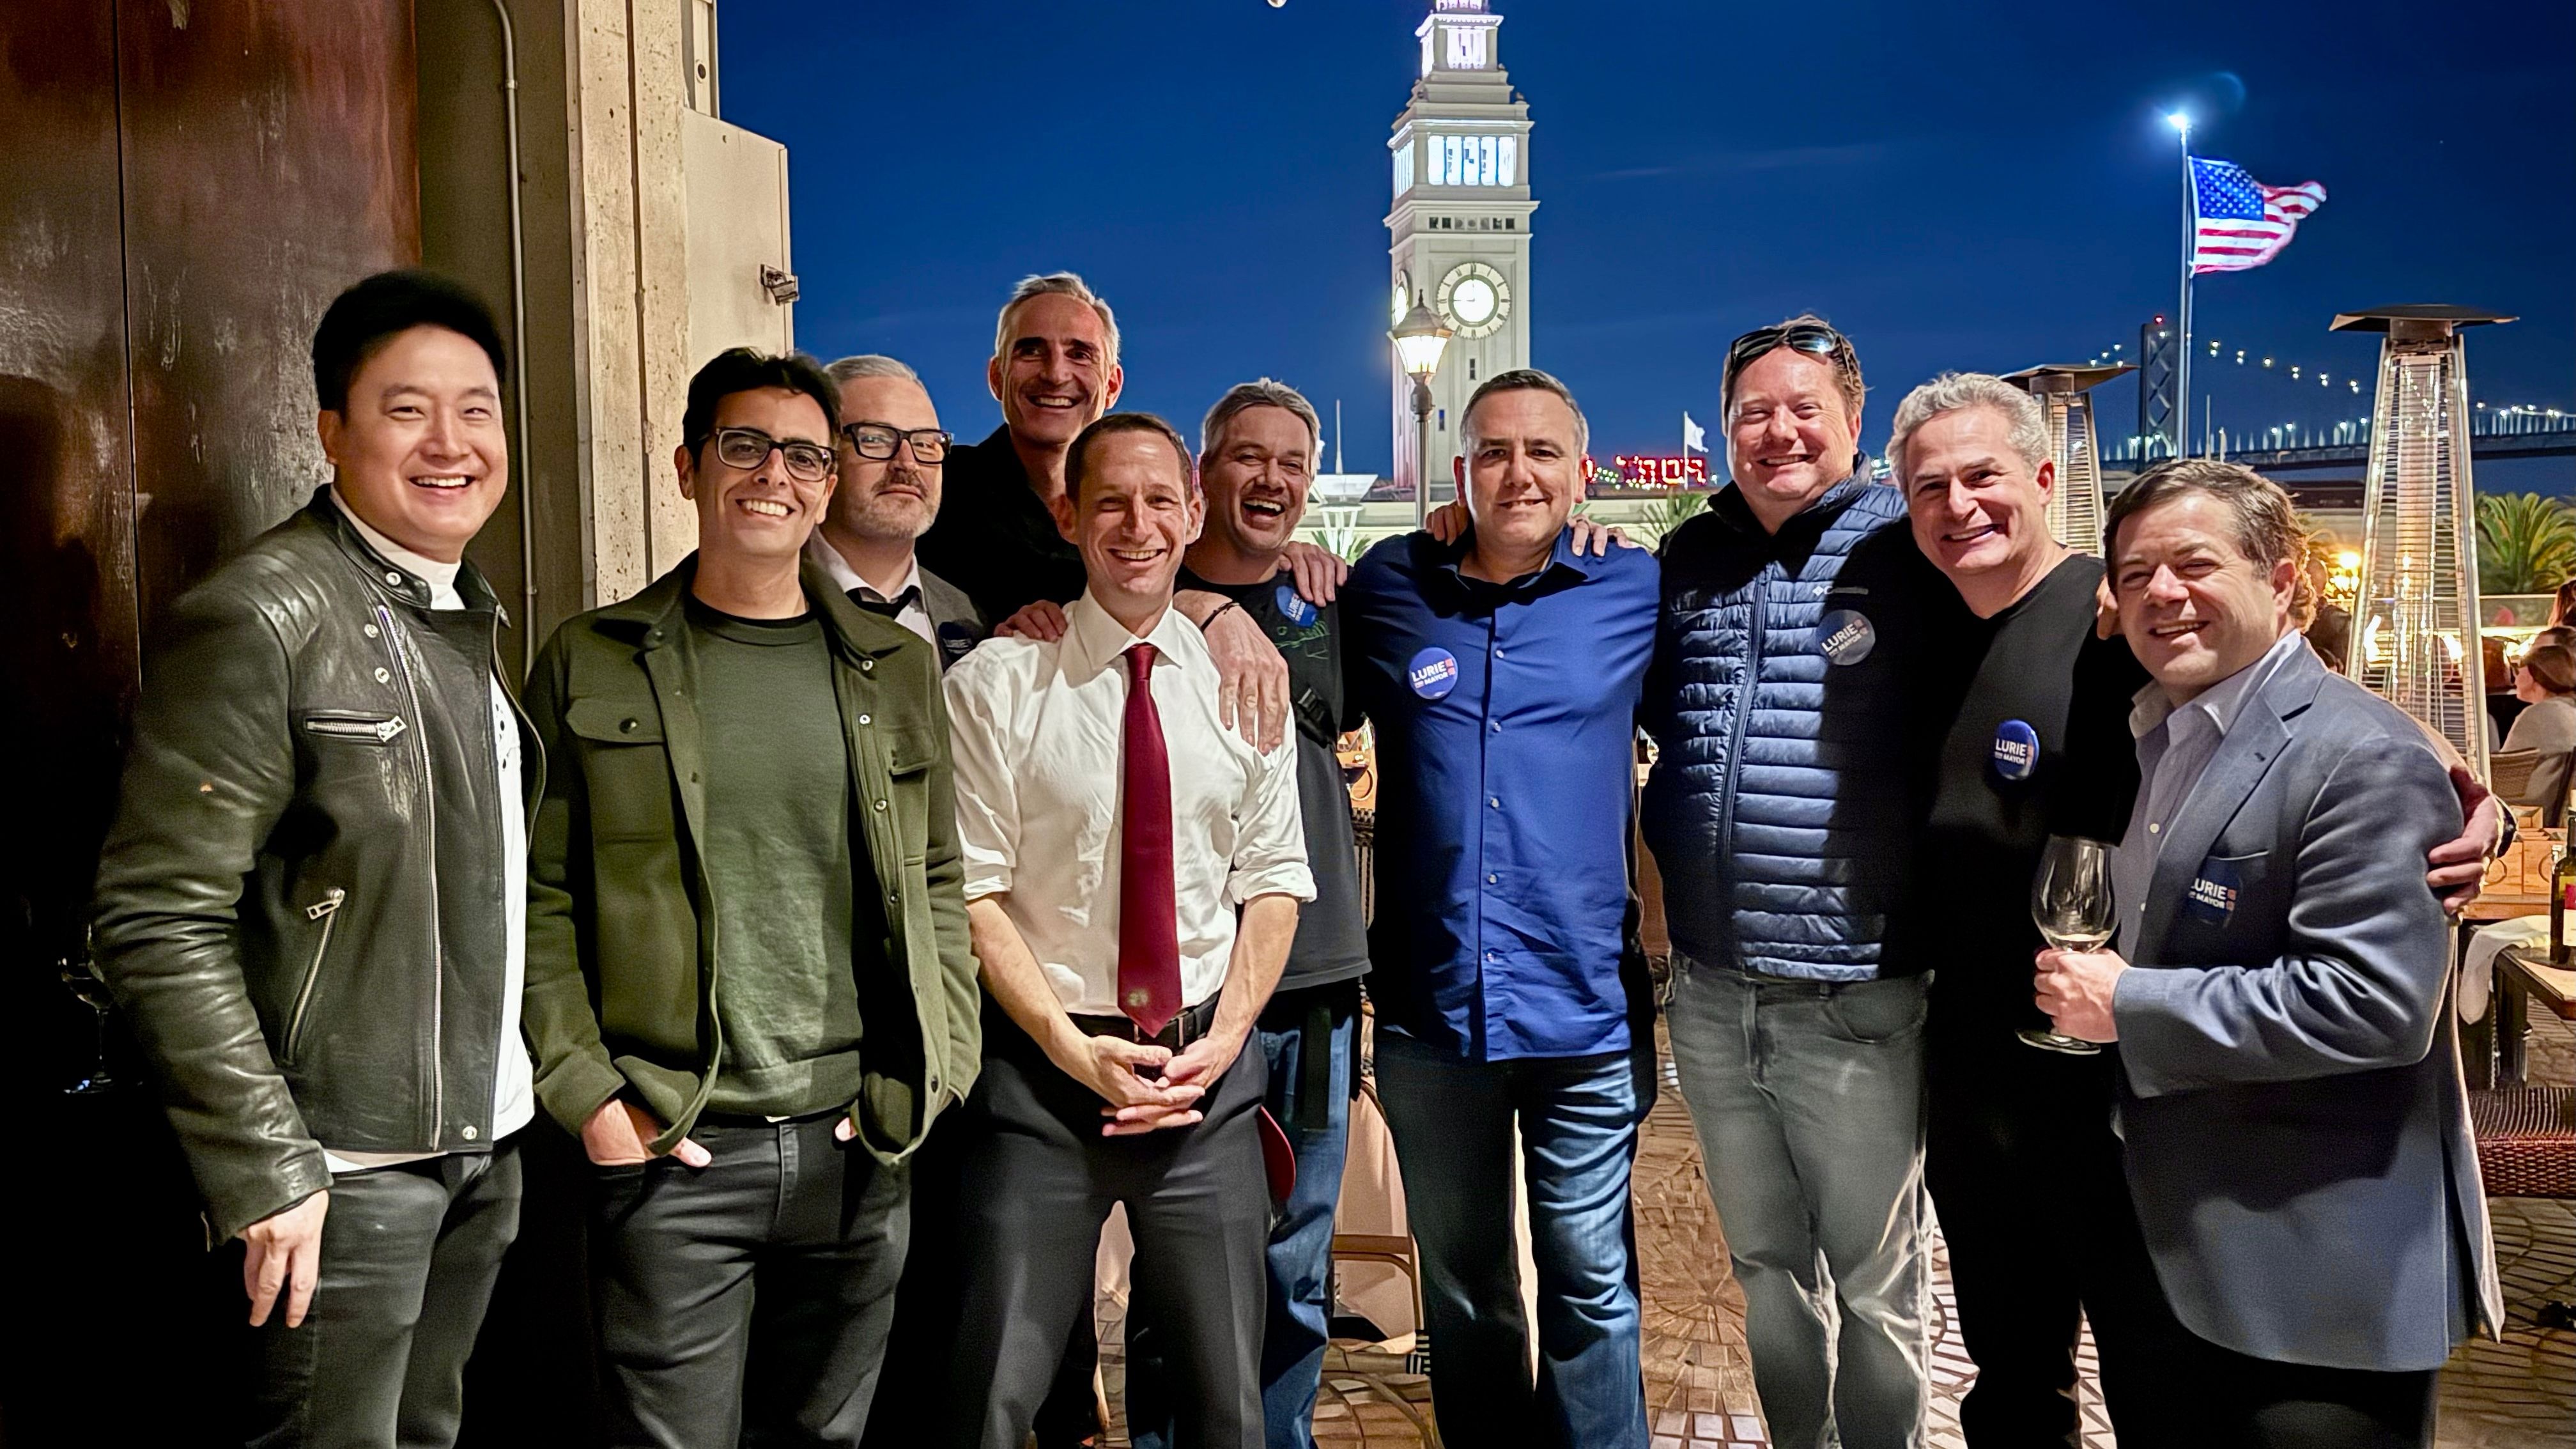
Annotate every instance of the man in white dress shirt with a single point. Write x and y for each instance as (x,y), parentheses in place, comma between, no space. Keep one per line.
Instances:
(1113,828)
(893,453)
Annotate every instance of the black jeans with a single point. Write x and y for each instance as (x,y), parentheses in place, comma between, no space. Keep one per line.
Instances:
(748,1300)
(2025,1172)
(1037,1183)
(409,1253)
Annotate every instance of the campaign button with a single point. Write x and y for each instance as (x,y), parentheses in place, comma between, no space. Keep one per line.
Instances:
(2016,750)
(1846,636)
(1433,673)
(1293,606)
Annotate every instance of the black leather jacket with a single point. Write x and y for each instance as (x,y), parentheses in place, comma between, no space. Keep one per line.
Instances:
(300,906)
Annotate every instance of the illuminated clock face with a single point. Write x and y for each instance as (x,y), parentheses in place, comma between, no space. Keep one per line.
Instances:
(1475,300)
(1403,301)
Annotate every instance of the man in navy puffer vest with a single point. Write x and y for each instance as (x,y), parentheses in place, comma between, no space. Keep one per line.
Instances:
(1780,813)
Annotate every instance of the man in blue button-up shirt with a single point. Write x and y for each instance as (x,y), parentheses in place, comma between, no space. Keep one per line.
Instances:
(1503,673)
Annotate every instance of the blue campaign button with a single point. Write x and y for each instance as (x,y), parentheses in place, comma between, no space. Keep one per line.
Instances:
(1433,673)
(1846,636)
(1294,607)
(2016,750)
(2211,896)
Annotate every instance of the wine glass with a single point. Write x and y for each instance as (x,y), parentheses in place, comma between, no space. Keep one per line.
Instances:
(92,992)
(2070,900)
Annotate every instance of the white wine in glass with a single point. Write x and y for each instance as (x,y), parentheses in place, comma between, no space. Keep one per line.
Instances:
(2070,900)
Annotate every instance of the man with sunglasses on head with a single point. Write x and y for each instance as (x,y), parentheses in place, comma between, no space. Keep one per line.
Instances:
(893,453)
(745,855)
(1779,814)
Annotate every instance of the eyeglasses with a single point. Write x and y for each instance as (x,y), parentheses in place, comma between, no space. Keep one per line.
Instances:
(750,447)
(876,442)
(1813,338)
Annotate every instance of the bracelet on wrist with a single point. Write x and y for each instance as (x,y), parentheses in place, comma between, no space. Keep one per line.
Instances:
(1208,622)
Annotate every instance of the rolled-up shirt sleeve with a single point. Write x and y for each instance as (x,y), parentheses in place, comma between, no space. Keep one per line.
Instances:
(1270,834)
(988,805)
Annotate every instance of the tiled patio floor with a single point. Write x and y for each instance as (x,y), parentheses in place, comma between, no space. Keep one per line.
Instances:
(2516,1394)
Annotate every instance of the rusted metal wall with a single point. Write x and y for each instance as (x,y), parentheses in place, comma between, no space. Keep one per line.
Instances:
(184,184)
(269,162)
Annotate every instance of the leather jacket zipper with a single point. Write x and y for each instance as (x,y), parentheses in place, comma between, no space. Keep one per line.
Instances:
(437,947)
(358,726)
(327,911)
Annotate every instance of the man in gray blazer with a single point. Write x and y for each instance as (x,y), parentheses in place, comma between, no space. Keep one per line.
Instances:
(893,453)
(2295,1126)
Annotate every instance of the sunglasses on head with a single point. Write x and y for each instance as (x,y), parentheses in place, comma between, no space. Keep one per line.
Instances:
(1813,338)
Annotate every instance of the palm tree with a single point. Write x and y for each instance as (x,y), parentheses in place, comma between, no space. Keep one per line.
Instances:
(1664,515)
(2526,543)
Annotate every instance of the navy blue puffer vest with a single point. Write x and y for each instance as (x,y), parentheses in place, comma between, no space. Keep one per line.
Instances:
(1783,797)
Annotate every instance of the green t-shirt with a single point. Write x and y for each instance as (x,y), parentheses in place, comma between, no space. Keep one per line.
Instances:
(779,858)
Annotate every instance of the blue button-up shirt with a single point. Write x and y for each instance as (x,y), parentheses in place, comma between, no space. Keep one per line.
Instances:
(1506,727)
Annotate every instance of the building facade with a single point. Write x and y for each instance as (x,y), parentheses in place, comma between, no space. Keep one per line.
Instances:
(1459,231)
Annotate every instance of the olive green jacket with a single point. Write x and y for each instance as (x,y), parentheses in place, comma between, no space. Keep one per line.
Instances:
(621,934)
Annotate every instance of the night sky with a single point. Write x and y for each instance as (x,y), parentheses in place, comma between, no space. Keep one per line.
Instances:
(1962,186)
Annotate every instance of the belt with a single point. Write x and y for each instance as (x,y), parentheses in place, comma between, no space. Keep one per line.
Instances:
(754,1119)
(1191,1024)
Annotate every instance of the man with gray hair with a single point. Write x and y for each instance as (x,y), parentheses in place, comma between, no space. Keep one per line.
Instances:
(893,452)
(1257,454)
(2033,740)
(1055,371)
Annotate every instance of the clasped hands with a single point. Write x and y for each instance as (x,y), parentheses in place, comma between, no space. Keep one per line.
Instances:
(1135,1103)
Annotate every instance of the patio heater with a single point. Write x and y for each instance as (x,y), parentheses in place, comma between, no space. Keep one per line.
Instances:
(2416,640)
(2075,504)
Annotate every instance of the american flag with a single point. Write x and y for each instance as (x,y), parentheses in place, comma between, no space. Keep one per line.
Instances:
(2237,221)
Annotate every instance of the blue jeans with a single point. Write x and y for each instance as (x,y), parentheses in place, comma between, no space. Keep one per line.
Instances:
(1577,1116)
(1300,1256)
(1808,1098)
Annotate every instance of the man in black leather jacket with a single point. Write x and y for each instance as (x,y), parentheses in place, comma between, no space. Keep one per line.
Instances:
(312,905)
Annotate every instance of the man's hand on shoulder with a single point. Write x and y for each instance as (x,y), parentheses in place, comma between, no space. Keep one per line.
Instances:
(2459,866)
(1252,678)
(1043,621)
(1319,572)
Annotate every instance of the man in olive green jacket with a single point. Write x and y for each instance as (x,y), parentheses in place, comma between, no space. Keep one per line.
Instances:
(750,987)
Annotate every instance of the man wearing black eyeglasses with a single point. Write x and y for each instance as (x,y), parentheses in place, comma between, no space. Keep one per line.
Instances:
(1779,812)
(746,851)
(893,453)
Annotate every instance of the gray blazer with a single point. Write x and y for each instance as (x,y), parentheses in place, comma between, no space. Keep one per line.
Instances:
(953,617)
(2297,1128)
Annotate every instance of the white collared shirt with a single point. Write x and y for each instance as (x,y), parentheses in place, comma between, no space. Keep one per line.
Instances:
(1036,731)
(915,614)
(514,1099)
(2175,746)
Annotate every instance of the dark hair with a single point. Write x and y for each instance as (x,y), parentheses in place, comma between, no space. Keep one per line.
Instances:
(1077,459)
(746,369)
(2267,526)
(1524,379)
(2562,610)
(361,320)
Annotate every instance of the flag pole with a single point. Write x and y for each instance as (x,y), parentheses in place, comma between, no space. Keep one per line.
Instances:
(2182,355)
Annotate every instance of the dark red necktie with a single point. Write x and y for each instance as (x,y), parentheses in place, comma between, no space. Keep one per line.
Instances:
(1149,917)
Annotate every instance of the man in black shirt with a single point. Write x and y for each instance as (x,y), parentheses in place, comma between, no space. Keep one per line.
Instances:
(1257,454)
(2034,741)
(1054,370)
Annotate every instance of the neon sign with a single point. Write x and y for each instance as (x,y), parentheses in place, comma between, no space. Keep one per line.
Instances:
(1643,471)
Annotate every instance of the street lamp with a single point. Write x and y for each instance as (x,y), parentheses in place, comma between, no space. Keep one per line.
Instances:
(1419,340)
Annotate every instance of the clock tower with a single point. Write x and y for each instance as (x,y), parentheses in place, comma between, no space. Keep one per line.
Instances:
(1459,232)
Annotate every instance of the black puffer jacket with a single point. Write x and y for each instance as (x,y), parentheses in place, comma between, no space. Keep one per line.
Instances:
(300,906)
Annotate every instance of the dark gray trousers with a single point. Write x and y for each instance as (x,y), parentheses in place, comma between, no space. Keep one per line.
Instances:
(748,1300)
(409,1254)
(1037,1182)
